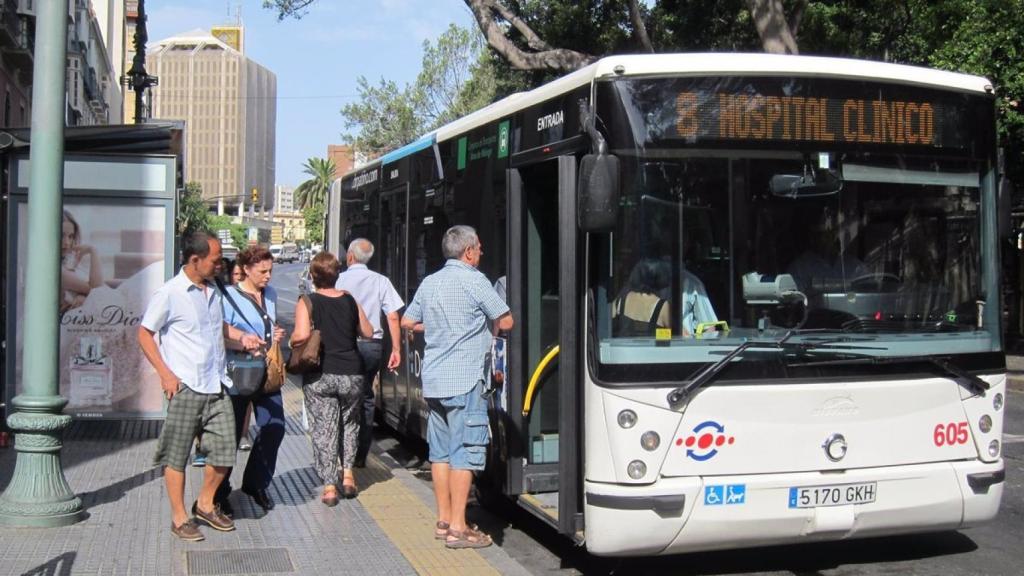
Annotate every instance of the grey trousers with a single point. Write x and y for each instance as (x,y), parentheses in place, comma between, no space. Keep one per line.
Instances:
(333,402)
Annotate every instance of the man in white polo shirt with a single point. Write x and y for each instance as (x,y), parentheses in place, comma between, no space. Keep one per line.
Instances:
(374,293)
(186,312)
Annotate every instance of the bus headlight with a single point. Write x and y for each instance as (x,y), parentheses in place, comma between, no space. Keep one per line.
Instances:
(636,469)
(997,402)
(650,440)
(627,418)
(985,424)
(993,449)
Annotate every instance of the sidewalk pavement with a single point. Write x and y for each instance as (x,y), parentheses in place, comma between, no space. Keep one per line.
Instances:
(387,530)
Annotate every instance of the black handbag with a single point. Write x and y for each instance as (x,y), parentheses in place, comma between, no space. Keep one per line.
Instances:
(247,372)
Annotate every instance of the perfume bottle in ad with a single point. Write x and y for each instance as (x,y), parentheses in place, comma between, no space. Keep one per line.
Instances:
(92,375)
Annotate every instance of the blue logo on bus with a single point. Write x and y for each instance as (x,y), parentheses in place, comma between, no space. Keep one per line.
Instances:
(725,494)
(705,441)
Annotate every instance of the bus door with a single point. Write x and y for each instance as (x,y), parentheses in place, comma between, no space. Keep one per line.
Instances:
(391,251)
(427,224)
(543,380)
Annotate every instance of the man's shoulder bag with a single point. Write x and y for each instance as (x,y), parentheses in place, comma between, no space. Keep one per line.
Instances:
(305,357)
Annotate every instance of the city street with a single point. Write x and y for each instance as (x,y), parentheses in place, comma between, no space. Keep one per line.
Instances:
(752,271)
(991,549)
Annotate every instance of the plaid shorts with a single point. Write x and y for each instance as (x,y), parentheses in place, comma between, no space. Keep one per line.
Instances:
(189,414)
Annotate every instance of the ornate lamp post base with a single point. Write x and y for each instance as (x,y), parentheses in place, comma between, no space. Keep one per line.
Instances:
(39,495)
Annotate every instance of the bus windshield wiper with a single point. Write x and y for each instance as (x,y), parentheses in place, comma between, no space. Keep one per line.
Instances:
(972,383)
(677,397)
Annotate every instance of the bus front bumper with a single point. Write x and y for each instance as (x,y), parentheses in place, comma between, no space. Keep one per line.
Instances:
(676,515)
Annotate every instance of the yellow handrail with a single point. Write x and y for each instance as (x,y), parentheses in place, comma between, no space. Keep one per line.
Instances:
(528,400)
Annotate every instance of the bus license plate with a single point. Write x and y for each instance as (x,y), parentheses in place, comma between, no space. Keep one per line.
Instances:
(834,495)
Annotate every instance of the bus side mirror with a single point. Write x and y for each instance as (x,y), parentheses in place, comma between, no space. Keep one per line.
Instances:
(598,193)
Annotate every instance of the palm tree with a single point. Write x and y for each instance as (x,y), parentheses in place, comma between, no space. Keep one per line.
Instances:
(313,192)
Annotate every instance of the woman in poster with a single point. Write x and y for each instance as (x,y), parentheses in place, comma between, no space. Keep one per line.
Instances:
(80,265)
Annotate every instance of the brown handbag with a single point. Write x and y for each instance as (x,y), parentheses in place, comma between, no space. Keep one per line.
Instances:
(275,370)
(305,357)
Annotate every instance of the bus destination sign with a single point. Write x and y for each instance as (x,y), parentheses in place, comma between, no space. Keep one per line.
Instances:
(730,116)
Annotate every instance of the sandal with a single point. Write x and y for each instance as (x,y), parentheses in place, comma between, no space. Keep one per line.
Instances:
(468,538)
(330,495)
(348,487)
(441,530)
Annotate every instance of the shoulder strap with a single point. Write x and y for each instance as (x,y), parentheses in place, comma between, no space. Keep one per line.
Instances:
(268,326)
(309,308)
(224,291)
(657,313)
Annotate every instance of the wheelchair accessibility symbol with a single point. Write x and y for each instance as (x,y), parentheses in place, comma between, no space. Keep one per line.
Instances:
(725,494)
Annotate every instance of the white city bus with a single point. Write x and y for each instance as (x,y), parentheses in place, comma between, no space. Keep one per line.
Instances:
(756,297)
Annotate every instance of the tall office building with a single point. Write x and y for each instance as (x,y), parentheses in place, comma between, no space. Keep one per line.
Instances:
(229,104)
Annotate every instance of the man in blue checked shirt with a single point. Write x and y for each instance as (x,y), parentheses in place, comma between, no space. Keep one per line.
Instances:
(452,308)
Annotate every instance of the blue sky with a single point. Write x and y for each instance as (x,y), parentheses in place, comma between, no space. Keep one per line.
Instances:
(318,58)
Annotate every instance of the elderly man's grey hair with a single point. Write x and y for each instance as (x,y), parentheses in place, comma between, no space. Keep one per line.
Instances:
(457,239)
(361,250)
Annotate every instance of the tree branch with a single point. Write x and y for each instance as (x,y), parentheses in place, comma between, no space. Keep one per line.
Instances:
(639,28)
(545,57)
(770,21)
(532,40)
(796,17)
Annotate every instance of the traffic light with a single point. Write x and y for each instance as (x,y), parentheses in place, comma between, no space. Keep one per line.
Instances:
(255,196)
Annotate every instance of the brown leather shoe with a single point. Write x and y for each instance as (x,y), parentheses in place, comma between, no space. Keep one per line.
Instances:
(187,531)
(214,519)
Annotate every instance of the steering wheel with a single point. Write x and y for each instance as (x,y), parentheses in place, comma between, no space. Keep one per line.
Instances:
(874,281)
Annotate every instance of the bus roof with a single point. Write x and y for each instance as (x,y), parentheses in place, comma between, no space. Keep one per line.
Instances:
(712,64)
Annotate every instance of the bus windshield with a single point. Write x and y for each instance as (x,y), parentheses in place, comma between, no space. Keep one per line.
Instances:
(862,248)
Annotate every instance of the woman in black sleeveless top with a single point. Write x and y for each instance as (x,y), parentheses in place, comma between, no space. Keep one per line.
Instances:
(333,396)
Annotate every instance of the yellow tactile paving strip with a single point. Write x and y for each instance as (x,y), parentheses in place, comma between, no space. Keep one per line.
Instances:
(409,524)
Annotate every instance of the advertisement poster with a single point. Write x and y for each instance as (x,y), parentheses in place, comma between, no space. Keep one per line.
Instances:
(112,261)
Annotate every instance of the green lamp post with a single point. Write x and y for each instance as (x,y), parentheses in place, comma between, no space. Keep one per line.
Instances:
(38,494)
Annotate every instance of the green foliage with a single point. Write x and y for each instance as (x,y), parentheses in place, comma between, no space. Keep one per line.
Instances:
(239,232)
(193,214)
(384,115)
(987,39)
(314,217)
(457,77)
(313,192)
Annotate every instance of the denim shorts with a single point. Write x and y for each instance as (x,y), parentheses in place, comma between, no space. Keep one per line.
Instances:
(458,431)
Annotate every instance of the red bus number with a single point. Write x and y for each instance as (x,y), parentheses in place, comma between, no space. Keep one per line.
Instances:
(951,434)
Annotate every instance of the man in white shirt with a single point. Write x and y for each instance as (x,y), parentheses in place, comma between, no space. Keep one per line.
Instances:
(375,294)
(189,358)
